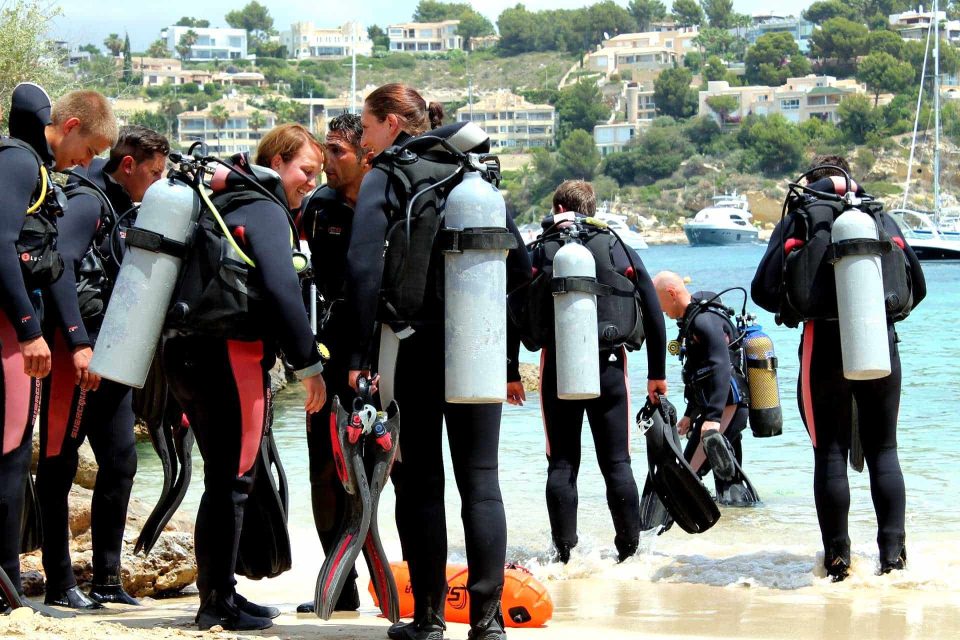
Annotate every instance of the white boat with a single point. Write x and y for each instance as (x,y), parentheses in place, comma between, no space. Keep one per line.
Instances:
(618,224)
(932,235)
(726,221)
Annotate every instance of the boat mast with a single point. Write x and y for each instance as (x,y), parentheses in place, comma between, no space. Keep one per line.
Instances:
(916,122)
(936,113)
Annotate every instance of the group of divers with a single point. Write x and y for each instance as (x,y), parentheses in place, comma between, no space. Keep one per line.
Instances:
(415,296)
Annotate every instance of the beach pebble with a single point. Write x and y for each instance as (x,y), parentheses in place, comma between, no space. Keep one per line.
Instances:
(22,613)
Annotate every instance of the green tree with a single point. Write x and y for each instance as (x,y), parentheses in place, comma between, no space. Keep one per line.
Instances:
(723,106)
(579,106)
(858,118)
(27,50)
(219,116)
(577,156)
(673,94)
(170,107)
(604,17)
(474,25)
(714,69)
(717,42)
(435,11)
(702,132)
(662,149)
(646,12)
(91,48)
(519,30)
(256,121)
(127,62)
(886,42)
(378,36)
(687,13)
(839,39)
(719,13)
(255,19)
(882,73)
(151,120)
(773,59)
(773,145)
(114,44)
(187,21)
(821,11)
(158,49)
(187,40)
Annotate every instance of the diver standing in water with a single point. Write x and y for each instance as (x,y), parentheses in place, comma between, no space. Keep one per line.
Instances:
(789,282)
(715,387)
(621,271)
(391,115)
(76,403)
(326,220)
(43,138)
(221,377)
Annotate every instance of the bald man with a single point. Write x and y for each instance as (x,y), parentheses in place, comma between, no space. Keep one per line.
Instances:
(716,408)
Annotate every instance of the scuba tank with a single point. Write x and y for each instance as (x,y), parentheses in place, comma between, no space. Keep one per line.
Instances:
(575,321)
(861,308)
(475,301)
(760,362)
(156,247)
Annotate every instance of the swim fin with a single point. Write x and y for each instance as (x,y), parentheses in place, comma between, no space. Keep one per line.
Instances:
(14,600)
(31,526)
(348,458)
(653,515)
(380,455)
(734,487)
(856,446)
(264,550)
(162,440)
(683,495)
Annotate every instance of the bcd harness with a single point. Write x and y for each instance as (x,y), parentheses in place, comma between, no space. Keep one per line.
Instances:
(808,290)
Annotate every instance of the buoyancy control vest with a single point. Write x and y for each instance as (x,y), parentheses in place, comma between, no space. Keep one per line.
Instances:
(619,317)
(93,281)
(808,290)
(36,245)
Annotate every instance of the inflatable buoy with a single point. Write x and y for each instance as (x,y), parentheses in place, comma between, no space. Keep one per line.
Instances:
(526,602)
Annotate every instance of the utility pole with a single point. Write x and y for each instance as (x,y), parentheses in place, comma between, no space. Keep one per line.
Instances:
(353,71)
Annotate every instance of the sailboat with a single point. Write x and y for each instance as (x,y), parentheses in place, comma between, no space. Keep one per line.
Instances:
(932,235)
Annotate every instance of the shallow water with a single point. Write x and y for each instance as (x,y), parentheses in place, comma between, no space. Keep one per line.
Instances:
(773,545)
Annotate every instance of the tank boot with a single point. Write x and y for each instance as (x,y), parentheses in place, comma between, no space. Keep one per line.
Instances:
(836,560)
(491,625)
(218,610)
(254,609)
(71,598)
(110,589)
(427,626)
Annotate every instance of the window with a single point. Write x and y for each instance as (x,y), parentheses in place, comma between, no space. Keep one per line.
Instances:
(790,104)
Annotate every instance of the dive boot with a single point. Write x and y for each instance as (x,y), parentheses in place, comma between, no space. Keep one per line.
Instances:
(254,609)
(490,626)
(110,589)
(719,453)
(306,607)
(71,598)
(428,627)
(837,562)
(626,549)
(897,564)
(224,612)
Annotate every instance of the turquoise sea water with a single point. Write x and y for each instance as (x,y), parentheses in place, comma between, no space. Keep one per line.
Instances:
(774,544)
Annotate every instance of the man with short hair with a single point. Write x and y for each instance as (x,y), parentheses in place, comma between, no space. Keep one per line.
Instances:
(326,222)
(43,138)
(76,403)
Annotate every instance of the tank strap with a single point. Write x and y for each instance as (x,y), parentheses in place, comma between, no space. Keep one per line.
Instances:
(476,239)
(857,247)
(153,241)
(767,364)
(579,284)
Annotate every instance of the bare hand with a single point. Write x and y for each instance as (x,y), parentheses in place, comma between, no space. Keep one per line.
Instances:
(516,394)
(316,393)
(86,379)
(353,374)
(683,426)
(655,388)
(709,426)
(36,357)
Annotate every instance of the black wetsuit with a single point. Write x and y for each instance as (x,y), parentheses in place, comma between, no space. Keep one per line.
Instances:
(710,385)
(825,399)
(223,386)
(19,321)
(473,430)
(69,414)
(610,422)
(326,224)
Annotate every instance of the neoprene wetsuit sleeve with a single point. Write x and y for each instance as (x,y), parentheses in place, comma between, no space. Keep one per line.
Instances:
(519,275)
(18,181)
(654,328)
(375,205)
(267,234)
(708,330)
(765,288)
(76,230)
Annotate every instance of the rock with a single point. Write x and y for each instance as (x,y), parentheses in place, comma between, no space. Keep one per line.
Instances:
(278,376)
(530,376)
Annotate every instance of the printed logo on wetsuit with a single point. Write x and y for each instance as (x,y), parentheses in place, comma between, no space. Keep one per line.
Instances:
(25,319)
(335,231)
(25,257)
(78,415)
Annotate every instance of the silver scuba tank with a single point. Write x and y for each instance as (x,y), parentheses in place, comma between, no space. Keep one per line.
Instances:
(138,305)
(475,298)
(860,298)
(575,323)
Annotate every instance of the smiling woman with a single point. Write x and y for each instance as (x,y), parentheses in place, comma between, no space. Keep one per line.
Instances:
(296,156)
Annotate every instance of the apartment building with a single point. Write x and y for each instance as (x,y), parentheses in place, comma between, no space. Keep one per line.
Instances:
(162,71)
(304,40)
(913,25)
(799,99)
(237,134)
(425,37)
(800,29)
(641,51)
(213,43)
(511,121)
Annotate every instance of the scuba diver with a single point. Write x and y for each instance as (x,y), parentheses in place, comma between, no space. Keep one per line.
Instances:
(392,192)
(43,139)
(76,403)
(620,327)
(217,357)
(325,220)
(715,387)
(792,282)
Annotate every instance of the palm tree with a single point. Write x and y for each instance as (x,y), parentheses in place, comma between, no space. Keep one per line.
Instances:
(114,44)
(219,115)
(187,40)
(256,121)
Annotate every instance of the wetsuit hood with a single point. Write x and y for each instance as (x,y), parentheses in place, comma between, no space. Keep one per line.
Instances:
(30,113)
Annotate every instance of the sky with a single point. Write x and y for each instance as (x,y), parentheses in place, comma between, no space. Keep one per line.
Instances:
(86,21)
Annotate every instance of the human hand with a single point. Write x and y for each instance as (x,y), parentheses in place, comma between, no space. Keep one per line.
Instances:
(655,388)
(683,425)
(354,374)
(86,379)
(709,426)
(36,357)
(516,394)
(316,390)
